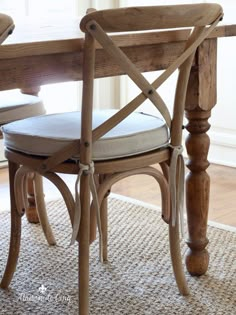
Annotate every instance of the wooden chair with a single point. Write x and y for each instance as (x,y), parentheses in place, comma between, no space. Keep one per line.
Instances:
(16,105)
(103,147)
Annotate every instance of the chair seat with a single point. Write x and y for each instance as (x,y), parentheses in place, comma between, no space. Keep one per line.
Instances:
(45,135)
(14,106)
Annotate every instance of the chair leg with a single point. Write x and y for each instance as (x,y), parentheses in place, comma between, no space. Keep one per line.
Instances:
(14,247)
(104,225)
(31,211)
(176,258)
(84,238)
(41,209)
(175,251)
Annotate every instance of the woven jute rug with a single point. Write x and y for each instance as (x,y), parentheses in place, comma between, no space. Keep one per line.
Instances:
(137,280)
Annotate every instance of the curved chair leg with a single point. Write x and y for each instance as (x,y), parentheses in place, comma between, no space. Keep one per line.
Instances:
(175,251)
(14,247)
(103,218)
(104,225)
(65,192)
(20,179)
(105,186)
(31,209)
(41,209)
(176,258)
(39,198)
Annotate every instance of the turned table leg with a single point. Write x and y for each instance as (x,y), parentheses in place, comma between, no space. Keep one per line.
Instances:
(201,98)
(31,210)
(197,191)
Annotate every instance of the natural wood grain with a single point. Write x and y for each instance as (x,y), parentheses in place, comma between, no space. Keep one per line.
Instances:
(143,188)
(203,78)
(15,238)
(200,99)
(197,259)
(153,17)
(222,192)
(85,159)
(51,51)
(45,37)
(197,191)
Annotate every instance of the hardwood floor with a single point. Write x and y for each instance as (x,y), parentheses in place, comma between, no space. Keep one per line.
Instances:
(141,187)
(222,207)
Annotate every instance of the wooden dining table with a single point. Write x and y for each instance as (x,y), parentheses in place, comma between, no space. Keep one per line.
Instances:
(47,51)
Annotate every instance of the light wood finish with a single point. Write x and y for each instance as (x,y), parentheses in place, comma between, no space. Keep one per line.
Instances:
(153,17)
(222,193)
(49,51)
(30,208)
(93,24)
(46,46)
(85,158)
(15,239)
(41,209)
(34,201)
(66,52)
(6,28)
(31,211)
(142,187)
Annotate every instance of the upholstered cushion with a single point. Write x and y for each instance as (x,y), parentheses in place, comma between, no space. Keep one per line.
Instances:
(14,106)
(45,135)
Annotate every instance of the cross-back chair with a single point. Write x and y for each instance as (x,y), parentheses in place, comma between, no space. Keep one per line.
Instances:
(103,147)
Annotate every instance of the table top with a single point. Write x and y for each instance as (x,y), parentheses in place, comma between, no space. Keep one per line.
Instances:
(51,50)
(44,36)
(44,29)
(57,35)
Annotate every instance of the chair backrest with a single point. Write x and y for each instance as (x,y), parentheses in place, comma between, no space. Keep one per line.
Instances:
(6,26)
(153,17)
(97,24)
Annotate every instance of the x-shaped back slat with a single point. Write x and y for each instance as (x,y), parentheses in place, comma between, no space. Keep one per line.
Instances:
(183,62)
(148,90)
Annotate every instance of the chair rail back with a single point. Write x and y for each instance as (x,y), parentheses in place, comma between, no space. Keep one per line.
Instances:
(96,25)
(154,17)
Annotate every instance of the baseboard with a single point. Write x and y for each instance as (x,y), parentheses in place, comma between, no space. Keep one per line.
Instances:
(223,146)
(222,149)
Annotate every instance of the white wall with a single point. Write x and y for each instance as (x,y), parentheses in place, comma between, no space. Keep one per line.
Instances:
(64,96)
(223,126)
(106,90)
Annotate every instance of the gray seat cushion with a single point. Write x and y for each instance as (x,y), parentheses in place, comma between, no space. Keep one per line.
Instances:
(45,135)
(14,106)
